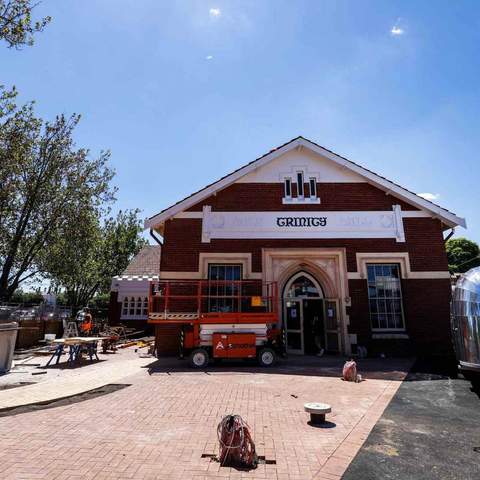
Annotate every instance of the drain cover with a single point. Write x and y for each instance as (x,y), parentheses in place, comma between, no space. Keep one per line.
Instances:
(261,459)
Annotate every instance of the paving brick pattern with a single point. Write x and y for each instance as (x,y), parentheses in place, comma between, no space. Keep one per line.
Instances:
(159,427)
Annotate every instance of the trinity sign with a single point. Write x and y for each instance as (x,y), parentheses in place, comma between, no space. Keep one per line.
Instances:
(303,224)
(301,221)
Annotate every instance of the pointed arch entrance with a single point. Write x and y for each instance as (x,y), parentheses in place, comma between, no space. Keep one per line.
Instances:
(308,316)
(328,266)
(303,285)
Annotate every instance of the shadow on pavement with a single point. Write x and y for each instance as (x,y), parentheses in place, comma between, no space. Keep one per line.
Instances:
(61,402)
(326,424)
(326,366)
(64,365)
(433,368)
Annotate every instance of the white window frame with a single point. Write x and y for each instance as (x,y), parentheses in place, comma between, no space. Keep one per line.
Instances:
(312,181)
(136,303)
(287,195)
(139,306)
(402,313)
(301,176)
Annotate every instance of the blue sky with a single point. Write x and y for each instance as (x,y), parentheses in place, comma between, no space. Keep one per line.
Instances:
(185,92)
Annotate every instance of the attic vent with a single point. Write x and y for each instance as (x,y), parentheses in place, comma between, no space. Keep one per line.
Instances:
(305,192)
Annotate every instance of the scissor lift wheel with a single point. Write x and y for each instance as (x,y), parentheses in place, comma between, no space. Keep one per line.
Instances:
(266,357)
(198,358)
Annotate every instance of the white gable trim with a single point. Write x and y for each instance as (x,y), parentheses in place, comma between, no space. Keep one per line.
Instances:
(220,185)
(447,217)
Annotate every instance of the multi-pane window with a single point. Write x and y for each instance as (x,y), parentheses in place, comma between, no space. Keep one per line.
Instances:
(138,310)
(132,306)
(385,296)
(135,307)
(224,295)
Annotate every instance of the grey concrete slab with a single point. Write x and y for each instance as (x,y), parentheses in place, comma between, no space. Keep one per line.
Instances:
(430,430)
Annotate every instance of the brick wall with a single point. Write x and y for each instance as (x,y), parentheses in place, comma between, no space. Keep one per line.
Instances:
(183,236)
(251,197)
(167,340)
(183,243)
(424,241)
(426,305)
(427,310)
(358,312)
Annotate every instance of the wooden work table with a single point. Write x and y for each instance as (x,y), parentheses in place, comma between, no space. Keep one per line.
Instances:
(75,345)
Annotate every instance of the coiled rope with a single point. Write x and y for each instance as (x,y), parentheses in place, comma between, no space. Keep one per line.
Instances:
(236,444)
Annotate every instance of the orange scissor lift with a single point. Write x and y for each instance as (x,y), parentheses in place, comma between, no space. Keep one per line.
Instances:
(220,318)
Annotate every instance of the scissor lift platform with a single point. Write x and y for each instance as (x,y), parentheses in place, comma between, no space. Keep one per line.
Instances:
(225,305)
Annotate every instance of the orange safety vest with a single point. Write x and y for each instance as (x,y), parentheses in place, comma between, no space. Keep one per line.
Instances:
(86,325)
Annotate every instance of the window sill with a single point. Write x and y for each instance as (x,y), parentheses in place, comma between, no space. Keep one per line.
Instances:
(301,200)
(390,335)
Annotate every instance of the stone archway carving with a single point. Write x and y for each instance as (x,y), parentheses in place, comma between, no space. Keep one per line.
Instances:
(327,265)
(288,268)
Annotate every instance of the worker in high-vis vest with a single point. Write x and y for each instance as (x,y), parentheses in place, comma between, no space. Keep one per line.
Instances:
(87,324)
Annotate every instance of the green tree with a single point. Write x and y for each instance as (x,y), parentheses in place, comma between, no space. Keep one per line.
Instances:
(90,252)
(16,25)
(27,297)
(121,241)
(45,184)
(462,254)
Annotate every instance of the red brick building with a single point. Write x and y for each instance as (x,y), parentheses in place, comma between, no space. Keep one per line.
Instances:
(359,260)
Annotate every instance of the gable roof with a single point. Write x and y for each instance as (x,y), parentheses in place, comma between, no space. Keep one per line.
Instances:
(447,217)
(145,262)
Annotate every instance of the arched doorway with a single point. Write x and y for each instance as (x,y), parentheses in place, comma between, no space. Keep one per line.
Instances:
(303,300)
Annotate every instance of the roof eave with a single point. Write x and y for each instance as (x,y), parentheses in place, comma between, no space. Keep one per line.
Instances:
(154,221)
(448,217)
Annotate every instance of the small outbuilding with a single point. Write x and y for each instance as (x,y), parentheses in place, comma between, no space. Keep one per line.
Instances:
(129,291)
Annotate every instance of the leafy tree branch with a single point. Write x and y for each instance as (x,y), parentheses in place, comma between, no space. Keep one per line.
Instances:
(463,254)
(17,27)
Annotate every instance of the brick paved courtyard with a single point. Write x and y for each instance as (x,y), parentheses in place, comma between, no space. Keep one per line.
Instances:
(159,427)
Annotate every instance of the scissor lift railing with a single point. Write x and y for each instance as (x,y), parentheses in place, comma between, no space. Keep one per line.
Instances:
(213,302)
